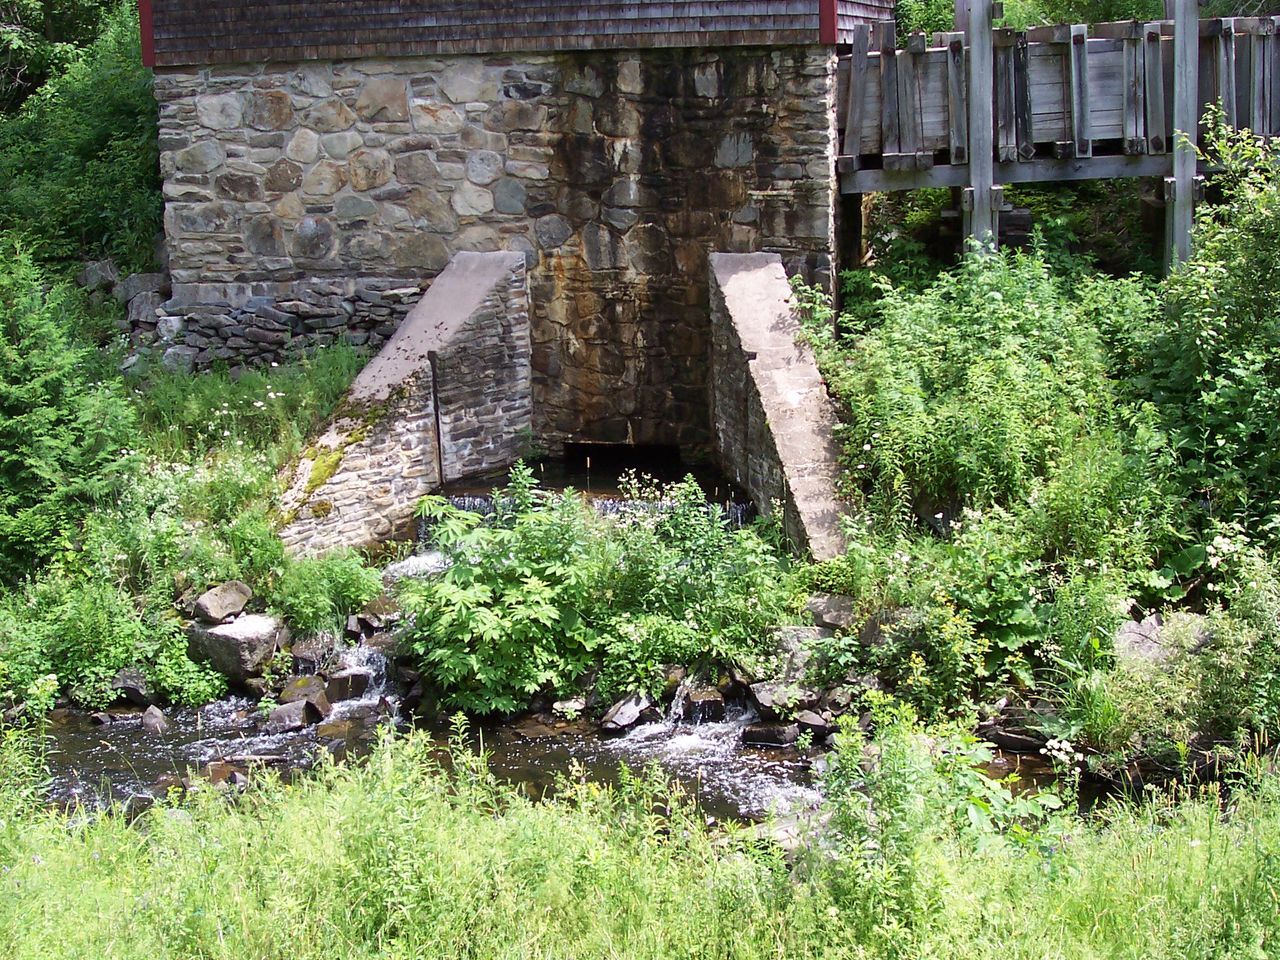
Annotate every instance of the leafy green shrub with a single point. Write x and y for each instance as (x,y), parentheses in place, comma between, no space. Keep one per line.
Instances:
(637,650)
(1215,367)
(79,163)
(39,38)
(84,632)
(545,589)
(505,620)
(319,593)
(63,436)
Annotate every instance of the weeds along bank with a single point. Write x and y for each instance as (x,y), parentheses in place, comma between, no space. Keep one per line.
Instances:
(1064,487)
(392,858)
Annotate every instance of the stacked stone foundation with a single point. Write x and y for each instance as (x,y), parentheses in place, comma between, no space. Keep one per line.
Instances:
(311,203)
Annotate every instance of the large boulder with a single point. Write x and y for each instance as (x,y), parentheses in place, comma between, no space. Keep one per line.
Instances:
(626,713)
(153,721)
(131,683)
(775,698)
(136,283)
(223,601)
(293,716)
(349,684)
(309,690)
(703,705)
(239,649)
(833,611)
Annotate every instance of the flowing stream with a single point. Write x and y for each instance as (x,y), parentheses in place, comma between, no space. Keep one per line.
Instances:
(95,763)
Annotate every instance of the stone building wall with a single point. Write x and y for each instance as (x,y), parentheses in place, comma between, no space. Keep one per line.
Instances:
(449,396)
(774,422)
(315,201)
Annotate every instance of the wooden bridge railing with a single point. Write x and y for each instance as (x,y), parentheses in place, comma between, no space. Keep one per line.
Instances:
(1063,103)
(1102,92)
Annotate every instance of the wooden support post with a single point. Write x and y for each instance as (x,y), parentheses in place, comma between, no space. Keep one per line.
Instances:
(1135,135)
(1081,128)
(1186,67)
(1153,94)
(980,219)
(858,61)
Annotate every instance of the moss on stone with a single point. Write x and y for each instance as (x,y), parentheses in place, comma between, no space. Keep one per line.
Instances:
(321,509)
(323,468)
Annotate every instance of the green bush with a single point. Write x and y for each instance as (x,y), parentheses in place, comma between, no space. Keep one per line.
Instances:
(79,163)
(63,435)
(546,589)
(320,593)
(1215,367)
(39,38)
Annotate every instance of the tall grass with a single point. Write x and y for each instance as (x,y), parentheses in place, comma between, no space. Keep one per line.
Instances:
(396,859)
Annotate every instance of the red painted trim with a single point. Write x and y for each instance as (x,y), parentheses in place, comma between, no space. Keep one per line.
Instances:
(827,25)
(147,28)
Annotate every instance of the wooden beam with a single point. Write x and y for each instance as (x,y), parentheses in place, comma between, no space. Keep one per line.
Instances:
(1186,66)
(910,130)
(980,215)
(1022,98)
(1005,108)
(1036,171)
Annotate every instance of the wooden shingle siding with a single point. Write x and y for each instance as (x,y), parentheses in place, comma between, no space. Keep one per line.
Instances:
(850,13)
(230,31)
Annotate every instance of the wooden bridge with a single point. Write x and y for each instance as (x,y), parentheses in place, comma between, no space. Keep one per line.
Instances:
(988,107)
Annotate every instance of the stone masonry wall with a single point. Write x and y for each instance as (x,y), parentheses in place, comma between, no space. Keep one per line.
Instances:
(774,421)
(450,395)
(311,202)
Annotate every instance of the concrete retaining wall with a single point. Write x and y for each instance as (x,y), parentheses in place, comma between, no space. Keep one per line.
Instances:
(449,396)
(773,422)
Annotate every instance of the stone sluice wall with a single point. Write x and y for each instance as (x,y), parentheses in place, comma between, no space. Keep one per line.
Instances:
(774,421)
(448,396)
(307,203)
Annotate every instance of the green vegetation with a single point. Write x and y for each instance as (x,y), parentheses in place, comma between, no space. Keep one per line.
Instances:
(546,589)
(79,162)
(394,858)
(1037,453)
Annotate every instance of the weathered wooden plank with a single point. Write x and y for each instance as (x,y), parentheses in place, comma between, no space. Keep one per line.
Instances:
(1022,99)
(1273,80)
(857,91)
(1135,139)
(1153,88)
(889,139)
(1224,52)
(909,131)
(1005,106)
(957,100)
(1078,60)
(1260,94)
